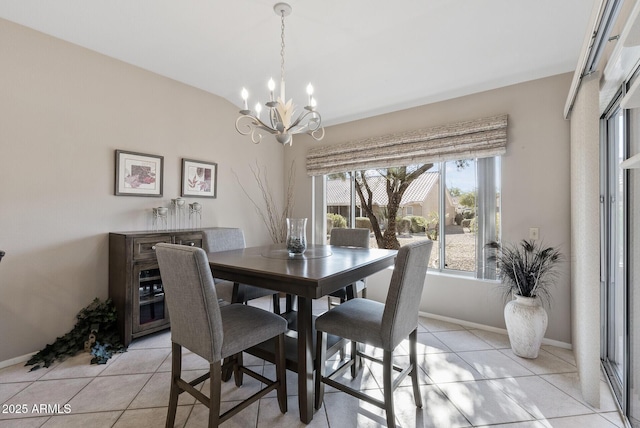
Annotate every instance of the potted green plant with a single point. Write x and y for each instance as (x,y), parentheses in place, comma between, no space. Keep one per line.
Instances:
(528,271)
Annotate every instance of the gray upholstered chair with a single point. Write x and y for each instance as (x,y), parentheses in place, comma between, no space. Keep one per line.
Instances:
(342,237)
(379,325)
(224,239)
(213,332)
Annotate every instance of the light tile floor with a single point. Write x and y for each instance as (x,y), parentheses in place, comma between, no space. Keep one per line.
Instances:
(469,378)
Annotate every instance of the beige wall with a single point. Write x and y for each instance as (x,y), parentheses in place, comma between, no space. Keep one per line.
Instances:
(535,188)
(64,110)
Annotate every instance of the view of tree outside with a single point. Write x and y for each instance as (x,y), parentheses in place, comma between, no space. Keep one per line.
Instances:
(404,204)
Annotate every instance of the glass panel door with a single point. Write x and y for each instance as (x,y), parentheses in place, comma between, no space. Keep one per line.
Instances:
(633,273)
(149,309)
(614,245)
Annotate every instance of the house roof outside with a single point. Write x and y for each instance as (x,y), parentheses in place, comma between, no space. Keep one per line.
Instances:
(338,190)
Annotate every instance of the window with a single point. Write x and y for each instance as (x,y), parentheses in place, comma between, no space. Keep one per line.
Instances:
(454,203)
(440,183)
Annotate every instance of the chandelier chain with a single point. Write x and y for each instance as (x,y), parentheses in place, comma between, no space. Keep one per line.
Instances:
(282,47)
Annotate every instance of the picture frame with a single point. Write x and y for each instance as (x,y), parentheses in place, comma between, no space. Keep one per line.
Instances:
(199,178)
(138,174)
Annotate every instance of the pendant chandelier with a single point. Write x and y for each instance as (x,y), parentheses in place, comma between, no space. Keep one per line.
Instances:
(280,120)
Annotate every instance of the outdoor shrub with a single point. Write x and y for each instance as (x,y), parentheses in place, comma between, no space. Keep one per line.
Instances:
(337,220)
(418,223)
(404,226)
(458,219)
(473,225)
(363,223)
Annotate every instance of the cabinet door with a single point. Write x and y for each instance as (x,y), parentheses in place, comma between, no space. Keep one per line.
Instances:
(149,305)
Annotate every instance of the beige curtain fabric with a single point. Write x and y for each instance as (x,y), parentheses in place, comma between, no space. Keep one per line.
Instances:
(585,237)
(464,140)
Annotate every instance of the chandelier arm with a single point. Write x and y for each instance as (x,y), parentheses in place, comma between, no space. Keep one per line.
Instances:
(275,119)
(256,122)
(248,129)
(251,125)
(300,118)
(319,132)
(317,120)
(313,123)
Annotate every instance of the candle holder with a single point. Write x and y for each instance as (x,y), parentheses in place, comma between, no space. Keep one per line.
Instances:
(178,213)
(160,218)
(195,215)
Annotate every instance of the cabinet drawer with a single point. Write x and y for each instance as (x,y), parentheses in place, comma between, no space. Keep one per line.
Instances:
(189,239)
(143,247)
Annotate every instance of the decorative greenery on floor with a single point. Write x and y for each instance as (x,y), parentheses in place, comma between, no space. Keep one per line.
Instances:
(95,331)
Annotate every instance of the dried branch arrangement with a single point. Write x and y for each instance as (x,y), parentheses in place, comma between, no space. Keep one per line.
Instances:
(275,219)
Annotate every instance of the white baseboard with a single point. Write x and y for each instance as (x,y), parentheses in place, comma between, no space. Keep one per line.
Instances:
(16,360)
(545,341)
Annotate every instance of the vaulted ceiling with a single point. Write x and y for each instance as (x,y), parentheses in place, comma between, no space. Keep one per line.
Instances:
(364,57)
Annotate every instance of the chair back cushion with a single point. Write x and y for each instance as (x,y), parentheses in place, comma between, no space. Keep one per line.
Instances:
(400,316)
(343,237)
(223,239)
(191,298)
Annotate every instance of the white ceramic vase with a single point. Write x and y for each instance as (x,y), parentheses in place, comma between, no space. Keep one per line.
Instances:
(526,324)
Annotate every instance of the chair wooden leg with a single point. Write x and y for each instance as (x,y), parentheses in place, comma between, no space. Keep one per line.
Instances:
(413,359)
(176,369)
(237,373)
(227,370)
(281,373)
(215,382)
(387,371)
(321,356)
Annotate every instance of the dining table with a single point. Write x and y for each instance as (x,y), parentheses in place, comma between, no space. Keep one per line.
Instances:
(319,271)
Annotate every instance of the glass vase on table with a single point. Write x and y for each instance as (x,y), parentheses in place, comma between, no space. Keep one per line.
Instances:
(296,236)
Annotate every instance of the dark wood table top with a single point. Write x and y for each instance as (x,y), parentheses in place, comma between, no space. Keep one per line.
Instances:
(321,270)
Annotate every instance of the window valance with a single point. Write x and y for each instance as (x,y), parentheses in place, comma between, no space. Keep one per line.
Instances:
(463,140)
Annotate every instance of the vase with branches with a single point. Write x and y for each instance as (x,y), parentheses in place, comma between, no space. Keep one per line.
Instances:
(273,216)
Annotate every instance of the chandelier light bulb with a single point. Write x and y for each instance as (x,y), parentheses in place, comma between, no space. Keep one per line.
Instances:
(245,96)
(258,109)
(272,86)
(310,93)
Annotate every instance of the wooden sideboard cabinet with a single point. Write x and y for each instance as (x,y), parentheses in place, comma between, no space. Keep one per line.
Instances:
(135,285)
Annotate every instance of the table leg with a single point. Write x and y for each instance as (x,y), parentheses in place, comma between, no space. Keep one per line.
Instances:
(305,359)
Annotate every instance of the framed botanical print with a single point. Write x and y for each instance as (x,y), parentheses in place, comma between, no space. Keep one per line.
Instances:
(199,179)
(138,174)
